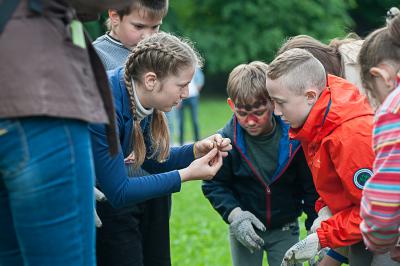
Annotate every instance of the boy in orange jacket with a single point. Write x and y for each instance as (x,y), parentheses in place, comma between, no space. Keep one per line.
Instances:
(333,122)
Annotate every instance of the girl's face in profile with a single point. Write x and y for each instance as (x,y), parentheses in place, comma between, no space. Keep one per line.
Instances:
(171,90)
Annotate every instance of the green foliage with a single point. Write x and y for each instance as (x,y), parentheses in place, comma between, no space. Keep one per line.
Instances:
(232,32)
(96,28)
(370,14)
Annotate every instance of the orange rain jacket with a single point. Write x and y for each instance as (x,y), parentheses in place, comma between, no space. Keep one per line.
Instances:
(337,142)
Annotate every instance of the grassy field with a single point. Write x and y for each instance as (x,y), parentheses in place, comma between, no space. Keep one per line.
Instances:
(198,234)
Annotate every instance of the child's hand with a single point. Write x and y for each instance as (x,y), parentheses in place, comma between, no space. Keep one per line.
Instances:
(203,168)
(202,147)
(130,159)
(99,195)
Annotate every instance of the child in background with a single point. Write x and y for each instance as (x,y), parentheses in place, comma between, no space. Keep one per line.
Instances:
(380,207)
(265,183)
(127,27)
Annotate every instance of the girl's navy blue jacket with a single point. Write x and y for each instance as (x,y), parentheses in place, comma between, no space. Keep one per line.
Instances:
(275,200)
(111,174)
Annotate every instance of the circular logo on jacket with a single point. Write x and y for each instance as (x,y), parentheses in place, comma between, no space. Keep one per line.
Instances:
(361,176)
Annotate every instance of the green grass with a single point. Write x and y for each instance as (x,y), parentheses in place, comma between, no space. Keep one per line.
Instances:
(199,237)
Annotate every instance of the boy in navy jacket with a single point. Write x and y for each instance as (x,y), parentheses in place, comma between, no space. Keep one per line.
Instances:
(264,184)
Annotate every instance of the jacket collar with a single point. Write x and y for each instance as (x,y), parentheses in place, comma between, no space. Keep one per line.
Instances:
(287,147)
(339,102)
(315,120)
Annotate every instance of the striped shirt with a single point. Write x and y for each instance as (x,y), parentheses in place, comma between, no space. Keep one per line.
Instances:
(380,204)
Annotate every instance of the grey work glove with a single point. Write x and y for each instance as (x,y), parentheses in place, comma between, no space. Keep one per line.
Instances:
(302,251)
(99,197)
(241,226)
(323,215)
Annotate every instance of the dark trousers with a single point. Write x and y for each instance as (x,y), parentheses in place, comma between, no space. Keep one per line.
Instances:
(134,236)
(193,104)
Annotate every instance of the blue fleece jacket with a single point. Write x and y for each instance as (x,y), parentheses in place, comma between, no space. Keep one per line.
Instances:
(111,173)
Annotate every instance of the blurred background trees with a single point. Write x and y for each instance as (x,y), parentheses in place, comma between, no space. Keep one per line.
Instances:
(228,33)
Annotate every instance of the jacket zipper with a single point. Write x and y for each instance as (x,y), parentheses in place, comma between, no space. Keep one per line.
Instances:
(266,187)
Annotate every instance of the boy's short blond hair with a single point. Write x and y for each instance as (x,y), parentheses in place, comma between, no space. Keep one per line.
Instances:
(152,9)
(297,69)
(246,83)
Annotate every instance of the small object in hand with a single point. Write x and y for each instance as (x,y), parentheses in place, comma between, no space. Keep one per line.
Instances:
(130,159)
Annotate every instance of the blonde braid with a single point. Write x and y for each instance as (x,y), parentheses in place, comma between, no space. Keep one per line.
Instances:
(139,147)
(160,136)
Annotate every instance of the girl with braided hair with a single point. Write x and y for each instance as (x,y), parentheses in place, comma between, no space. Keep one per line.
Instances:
(154,79)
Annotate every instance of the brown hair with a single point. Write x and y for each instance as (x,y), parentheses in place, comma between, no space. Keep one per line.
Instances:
(247,82)
(165,55)
(328,55)
(297,69)
(381,45)
(149,8)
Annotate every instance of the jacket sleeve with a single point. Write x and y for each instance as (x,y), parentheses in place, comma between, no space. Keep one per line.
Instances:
(309,194)
(113,179)
(349,154)
(380,208)
(179,157)
(219,190)
(319,204)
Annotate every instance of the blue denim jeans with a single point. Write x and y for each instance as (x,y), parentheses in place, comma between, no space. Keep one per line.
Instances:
(46,193)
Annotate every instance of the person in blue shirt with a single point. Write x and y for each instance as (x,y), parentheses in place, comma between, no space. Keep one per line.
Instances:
(154,79)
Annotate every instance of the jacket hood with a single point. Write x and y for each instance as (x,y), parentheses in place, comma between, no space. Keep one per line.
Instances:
(339,102)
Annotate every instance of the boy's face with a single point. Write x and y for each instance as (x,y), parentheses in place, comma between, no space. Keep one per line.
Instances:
(293,108)
(132,28)
(254,117)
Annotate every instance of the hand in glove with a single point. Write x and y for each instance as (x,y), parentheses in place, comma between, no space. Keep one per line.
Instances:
(99,197)
(241,226)
(302,251)
(323,215)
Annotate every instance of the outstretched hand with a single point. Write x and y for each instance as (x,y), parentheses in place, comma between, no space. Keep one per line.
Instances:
(203,168)
(202,147)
